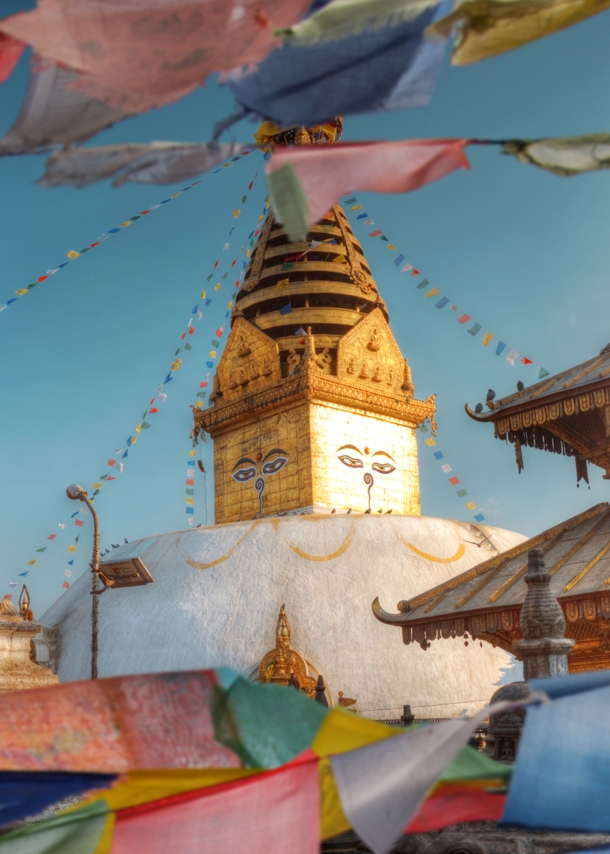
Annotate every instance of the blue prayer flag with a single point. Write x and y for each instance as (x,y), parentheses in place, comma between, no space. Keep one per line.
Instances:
(362,216)
(168,378)
(190,510)
(126,454)
(191,463)
(286,309)
(438,455)
(442,302)
(500,347)
(208,301)
(129,441)
(75,514)
(113,230)
(210,364)
(24,793)
(194,311)
(14,299)
(398,261)
(479,517)
(65,264)
(70,563)
(23,574)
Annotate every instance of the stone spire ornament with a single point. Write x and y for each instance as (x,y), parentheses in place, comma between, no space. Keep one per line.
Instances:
(544,648)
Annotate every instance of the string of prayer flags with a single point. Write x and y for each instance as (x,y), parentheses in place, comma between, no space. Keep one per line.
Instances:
(72,254)
(305,181)
(446,468)
(463,318)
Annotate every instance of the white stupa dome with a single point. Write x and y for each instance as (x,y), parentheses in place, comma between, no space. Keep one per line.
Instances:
(217,592)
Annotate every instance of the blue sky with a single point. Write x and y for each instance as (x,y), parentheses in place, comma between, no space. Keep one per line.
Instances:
(525,253)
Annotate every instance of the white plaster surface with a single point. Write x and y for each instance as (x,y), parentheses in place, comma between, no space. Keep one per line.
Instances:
(225,615)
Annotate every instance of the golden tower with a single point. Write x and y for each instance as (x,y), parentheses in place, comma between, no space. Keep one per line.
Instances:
(313,406)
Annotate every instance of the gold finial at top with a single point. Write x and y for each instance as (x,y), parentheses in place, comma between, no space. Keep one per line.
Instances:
(284,665)
(24,605)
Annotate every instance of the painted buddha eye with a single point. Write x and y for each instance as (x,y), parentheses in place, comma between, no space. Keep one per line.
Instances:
(351,462)
(273,466)
(383,468)
(243,475)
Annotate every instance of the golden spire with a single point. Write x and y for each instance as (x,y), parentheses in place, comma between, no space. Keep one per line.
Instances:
(284,665)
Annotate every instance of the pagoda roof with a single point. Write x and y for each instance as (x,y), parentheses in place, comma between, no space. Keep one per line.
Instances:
(589,375)
(485,600)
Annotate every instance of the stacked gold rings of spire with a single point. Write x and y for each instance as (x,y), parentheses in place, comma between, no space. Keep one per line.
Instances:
(324,283)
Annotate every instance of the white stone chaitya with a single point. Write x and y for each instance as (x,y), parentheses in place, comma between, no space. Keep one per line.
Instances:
(218,590)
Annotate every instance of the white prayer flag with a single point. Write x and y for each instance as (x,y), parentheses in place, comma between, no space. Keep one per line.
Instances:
(199,315)
(119,451)
(226,246)
(406,267)
(68,572)
(62,525)
(446,468)
(119,466)
(382,785)
(511,357)
(13,584)
(162,397)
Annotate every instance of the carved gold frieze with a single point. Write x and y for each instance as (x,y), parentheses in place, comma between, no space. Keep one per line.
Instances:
(250,361)
(369,355)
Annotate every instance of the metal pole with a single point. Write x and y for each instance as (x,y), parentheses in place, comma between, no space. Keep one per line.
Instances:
(95,591)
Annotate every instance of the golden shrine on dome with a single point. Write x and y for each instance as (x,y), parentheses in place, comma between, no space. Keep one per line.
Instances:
(312,402)
(283,665)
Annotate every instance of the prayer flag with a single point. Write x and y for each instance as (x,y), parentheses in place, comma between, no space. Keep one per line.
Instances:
(199,315)
(356,208)
(72,254)
(543,373)
(454,481)
(446,468)
(110,477)
(190,481)
(111,462)
(415,272)
(438,455)
(351,201)
(462,493)
(66,584)
(32,562)
(71,548)
(399,259)
(62,526)
(464,318)
(190,462)
(145,426)
(479,517)
(487,338)
(375,233)
(441,303)
(210,364)
(213,353)
(43,549)
(13,584)
(432,293)
(220,330)
(23,574)
(424,283)
(190,510)
(363,215)
(168,378)
(51,536)
(339,259)
(74,514)
(190,491)
(500,347)
(189,500)
(430,442)
(119,467)
(406,268)
(151,411)
(236,213)
(474,330)
(71,563)
(471,505)
(283,283)
(193,453)
(392,247)
(79,523)
(287,309)
(525,361)
(68,573)
(217,287)
(511,357)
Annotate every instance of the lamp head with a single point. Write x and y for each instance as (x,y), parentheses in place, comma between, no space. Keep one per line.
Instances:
(75,491)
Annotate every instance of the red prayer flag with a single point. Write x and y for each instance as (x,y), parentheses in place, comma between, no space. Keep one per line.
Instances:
(464,318)
(79,523)
(525,361)
(10,53)
(51,536)
(251,182)
(143,213)
(154,409)
(375,233)
(110,477)
(91,245)
(183,336)
(42,278)
(234,262)
(415,272)
(66,585)
(232,817)
(111,462)
(216,264)
(455,803)
(191,330)
(454,481)
(190,482)
(8,596)
(203,385)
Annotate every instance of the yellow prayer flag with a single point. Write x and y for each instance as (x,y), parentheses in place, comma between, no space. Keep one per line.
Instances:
(193,453)
(71,548)
(138,428)
(177,194)
(226,165)
(213,354)
(202,294)
(32,562)
(248,253)
(340,259)
(97,485)
(432,293)
(189,500)
(261,218)
(134,440)
(430,442)
(199,404)
(356,208)
(72,254)
(22,291)
(283,283)
(391,246)
(124,224)
(236,213)
(471,505)
(230,304)
(217,287)
(487,338)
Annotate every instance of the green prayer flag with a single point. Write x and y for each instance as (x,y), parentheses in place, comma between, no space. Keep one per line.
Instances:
(476,328)
(75,832)
(288,266)
(211,276)
(542,373)
(177,351)
(289,201)
(144,425)
(462,493)
(201,394)
(383,237)
(244,199)
(190,491)
(33,285)
(43,549)
(76,539)
(134,218)
(187,346)
(225,275)
(423,428)
(96,492)
(215,343)
(423,284)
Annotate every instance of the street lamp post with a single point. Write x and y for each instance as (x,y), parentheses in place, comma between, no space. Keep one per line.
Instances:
(77,493)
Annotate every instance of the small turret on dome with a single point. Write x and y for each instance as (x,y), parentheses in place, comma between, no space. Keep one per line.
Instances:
(18,667)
